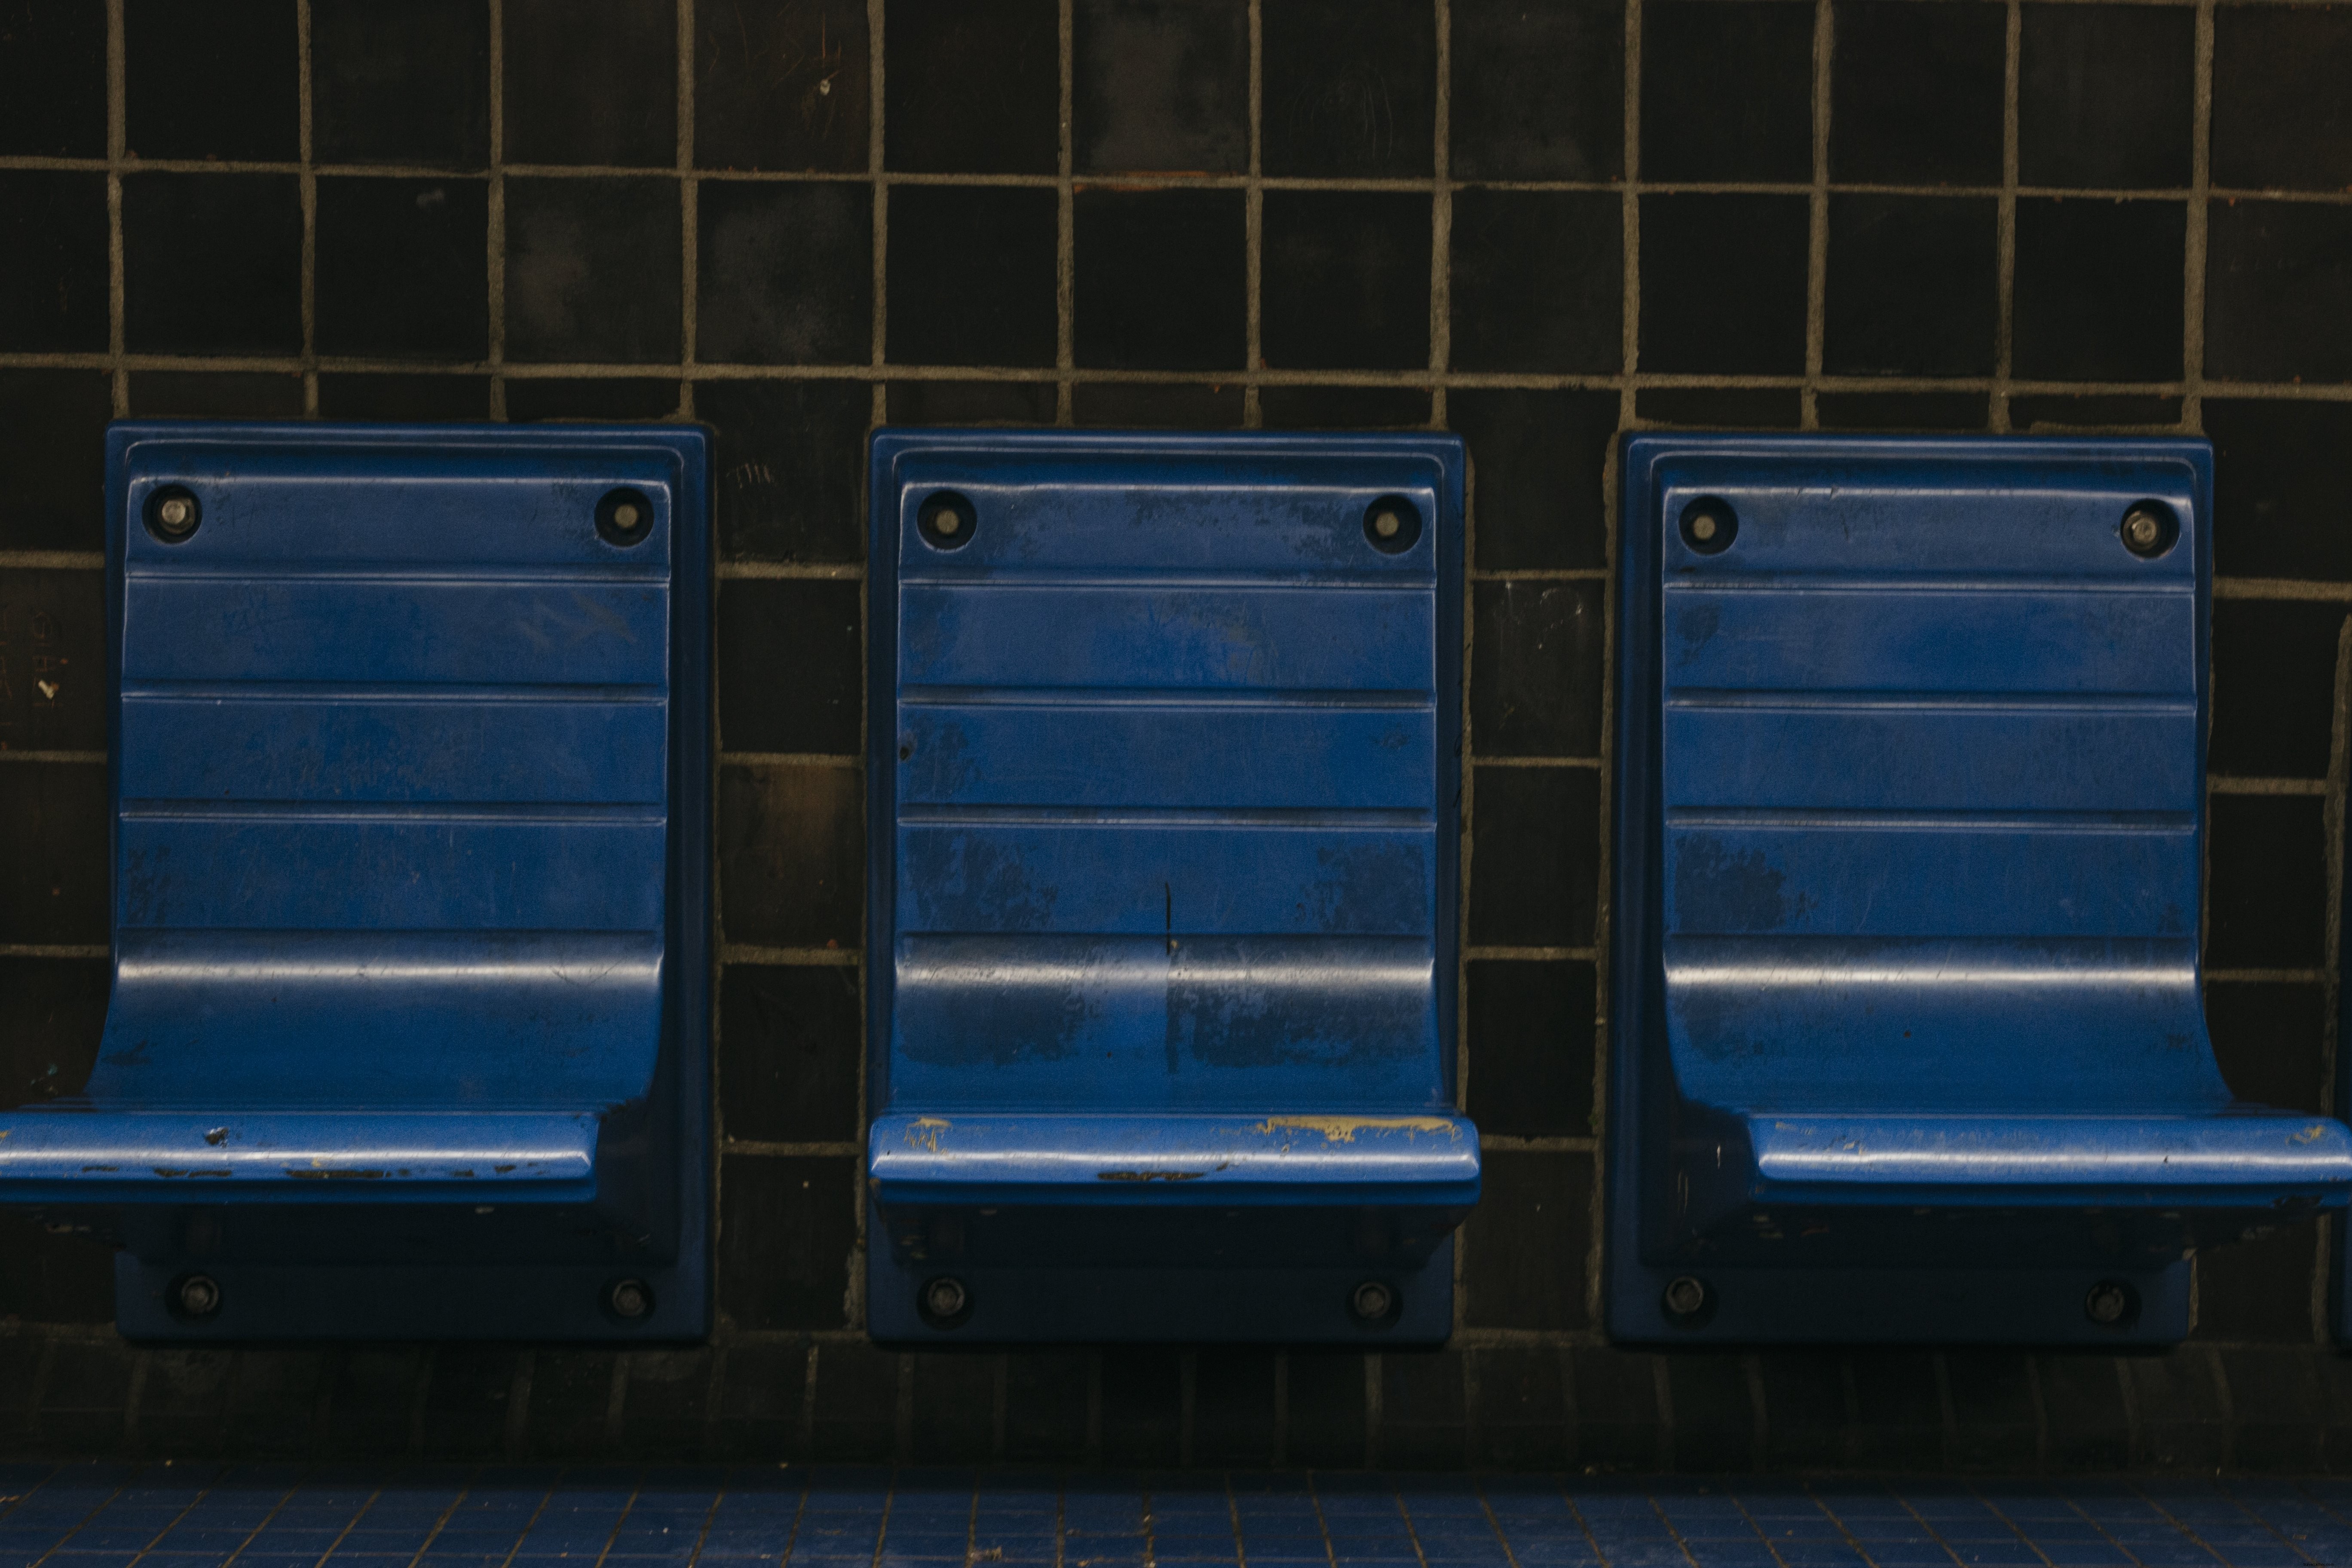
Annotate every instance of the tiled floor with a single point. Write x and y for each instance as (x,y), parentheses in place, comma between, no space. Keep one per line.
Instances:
(198,1516)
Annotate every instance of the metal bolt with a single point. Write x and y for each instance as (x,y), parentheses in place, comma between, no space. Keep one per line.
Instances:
(200,1296)
(1386,525)
(1685,1296)
(946,521)
(175,514)
(1371,1302)
(2108,1302)
(1702,526)
(624,516)
(945,1297)
(630,1299)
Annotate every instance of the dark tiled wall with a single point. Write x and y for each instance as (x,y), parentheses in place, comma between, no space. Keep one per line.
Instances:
(1536,222)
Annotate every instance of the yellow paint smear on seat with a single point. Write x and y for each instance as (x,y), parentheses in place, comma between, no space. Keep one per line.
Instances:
(1343,1128)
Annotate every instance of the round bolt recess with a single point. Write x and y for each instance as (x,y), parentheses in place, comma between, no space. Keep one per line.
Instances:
(2111,1304)
(1392,525)
(946,521)
(172,513)
(195,1297)
(1687,1301)
(625,517)
(1709,525)
(631,1300)
(1375,1304)
(2149,529)
(944,1302)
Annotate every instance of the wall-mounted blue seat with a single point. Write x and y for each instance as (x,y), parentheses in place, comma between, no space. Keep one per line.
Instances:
(1165,801)
(1906,1011)
(407,1033)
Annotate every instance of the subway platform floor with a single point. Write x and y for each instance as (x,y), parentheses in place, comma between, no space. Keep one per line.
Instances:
(184,1515)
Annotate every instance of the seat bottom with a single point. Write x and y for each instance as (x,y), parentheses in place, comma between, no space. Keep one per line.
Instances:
(68,1154)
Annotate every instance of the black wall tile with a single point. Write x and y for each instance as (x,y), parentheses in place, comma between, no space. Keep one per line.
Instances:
(2271,1039)
(2273,688)
(1538,281)
(1532,1025)
(1160,86)
(1522,1408)
(2280,119)
(592,270)
(211,79)
(52,1278)
(1536,658)
(2098,289)
(2258,1290)
(1900,1410)
(1900,410)
(1538,91)
(1327,1409)
(2094,411)
(1161,279)
(2278,489)
(971,402)
(973,87)
(1046,1397)
(1727,90)
(1346,280)
(1721,407)
(54,882)
(53,231)
(570,1401)
(792,855)
(2090,1423)
(1915,92)
(1715,1412)
(789,663)
(183,1399)
(787,1240)
(2266,884)
(53,438)
(592,81)
(1350,88)
(1524,1246)
(787,467)
(1618,1422)
(2103,95)
(783,84)
(1142,1405)
(1535,462)
(1136,405)
(1912,285)
(786,273)
(1343,407)
(216,394)
(1804,1396)
(760,1402)
(52,79)
(854,1419)
(955,1408)
(1703,311)
(51,1013)
(634,398)
(403,269)
(1534,879)
(403,397)
(2278,291)
(401,84)
(371,1399)
(1233,1406)
(971,275)
(791,1050)
(2279,1407)
(211,264)
(1995,1413)
(53,680)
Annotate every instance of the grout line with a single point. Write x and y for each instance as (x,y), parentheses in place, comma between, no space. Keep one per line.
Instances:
(814,570)
(689,216)
(2223,784)
(9,755)
(2339,743)
(2005,232)
(1484,955)
(308,180)
(1064,222)
(1441,221)
(2201,171)
(54,950)
(495,348)
(1254,226)
(2267,976)
(878,410)
(117,151)
(788,1148)
(1817,229)
(811,957)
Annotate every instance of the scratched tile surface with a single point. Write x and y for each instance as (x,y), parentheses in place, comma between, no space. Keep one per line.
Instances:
(200,1516)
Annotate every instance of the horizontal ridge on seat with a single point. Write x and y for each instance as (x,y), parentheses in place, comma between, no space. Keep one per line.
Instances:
(1348,1158)
(64,1153)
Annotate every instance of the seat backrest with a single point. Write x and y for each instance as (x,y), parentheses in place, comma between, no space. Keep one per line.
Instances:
(394,764)
(1163,771)
(1928,755)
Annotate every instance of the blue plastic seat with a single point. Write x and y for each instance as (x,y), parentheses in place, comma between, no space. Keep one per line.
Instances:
(1164,774)
(1911,809)
(409,897)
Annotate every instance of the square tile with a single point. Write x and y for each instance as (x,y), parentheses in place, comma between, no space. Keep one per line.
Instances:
(53,229)
(636,398)
(1539,93)
(2278,291)
(1912,285)
(1703,311)
(790,655)
(2275,487)
(792,857)
(403,269)
(54,871)
(786,273)
(1538,281)
(2280,122)
(973,87)
(1727,90)
(971,402)
(215,395)
(592,266)
(1160,86)
(1536,465)
(401,84)
(1345,279)
(782,84)
(590,81)
(787,467)
(1350,88)
(1531,1033)
(1298,407)
(2267,888)
(53,697)
(404,398)
(1136,405)
(1534,880)
(2103,95)
(1507,1284)
(2098,290)
(211,264)
(1536,658)
(1915,92)
(52,79)
(786,1230)
(1161,279)
(211,79)
(971,275)
(792,1051)
(1900,410)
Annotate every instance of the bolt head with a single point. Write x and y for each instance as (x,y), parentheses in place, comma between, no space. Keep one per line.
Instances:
(1702,525)
(174,512)
(624,516)
(630,1299)
(1685,1296)
(200,1296)
(945,1297)
(1386,525)
(2109,1303)
(1373,1301)
(947,521)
